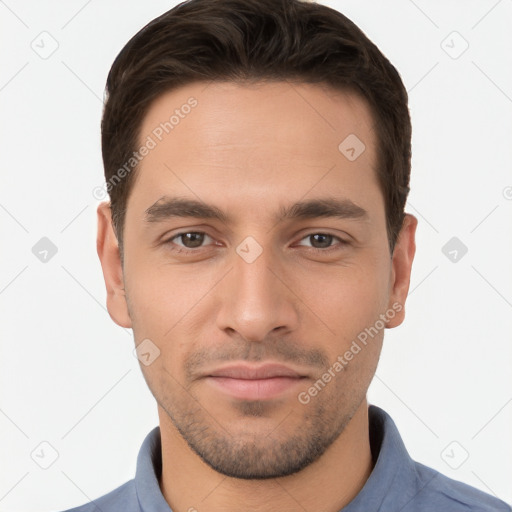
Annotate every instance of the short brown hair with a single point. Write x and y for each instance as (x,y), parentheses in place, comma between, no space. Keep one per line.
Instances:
(239,40)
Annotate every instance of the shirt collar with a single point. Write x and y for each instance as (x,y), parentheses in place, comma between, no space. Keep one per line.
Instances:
(392,482)
(149,470)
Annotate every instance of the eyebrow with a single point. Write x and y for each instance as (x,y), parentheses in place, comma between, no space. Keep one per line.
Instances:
(168,207)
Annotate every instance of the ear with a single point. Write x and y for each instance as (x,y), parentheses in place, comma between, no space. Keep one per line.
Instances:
(110,258)
(401,266)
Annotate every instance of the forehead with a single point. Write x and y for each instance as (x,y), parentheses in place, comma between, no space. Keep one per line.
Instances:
(256,142)
(271,113)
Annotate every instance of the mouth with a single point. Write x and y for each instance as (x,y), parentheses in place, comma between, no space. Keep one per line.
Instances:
(263,382)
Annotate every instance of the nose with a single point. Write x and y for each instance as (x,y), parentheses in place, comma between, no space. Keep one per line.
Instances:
(256,299)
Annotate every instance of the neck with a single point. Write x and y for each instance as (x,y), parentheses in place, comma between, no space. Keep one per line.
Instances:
(330,483)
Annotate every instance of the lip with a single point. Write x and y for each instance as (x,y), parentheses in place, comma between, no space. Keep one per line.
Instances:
(247,372)
(262,382)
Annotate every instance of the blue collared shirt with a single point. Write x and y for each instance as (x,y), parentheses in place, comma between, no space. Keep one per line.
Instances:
(396,484)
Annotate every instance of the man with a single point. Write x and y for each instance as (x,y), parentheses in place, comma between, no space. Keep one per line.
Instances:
(257,156)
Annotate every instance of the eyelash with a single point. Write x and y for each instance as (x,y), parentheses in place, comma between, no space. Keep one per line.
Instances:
(185,250)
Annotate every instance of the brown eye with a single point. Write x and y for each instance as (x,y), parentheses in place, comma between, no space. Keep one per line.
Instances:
(190,239)
(320,240)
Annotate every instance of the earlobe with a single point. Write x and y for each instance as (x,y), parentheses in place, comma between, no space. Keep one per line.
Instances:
(110,259)
(403,256)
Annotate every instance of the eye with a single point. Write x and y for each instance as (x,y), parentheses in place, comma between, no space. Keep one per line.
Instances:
(190,239)
(322,241)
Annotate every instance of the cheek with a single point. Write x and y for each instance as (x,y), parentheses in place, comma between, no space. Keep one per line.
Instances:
(346,298)
(161,295)
(167,306)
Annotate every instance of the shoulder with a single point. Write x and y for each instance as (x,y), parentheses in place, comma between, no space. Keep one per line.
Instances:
(436,491)
(405,485)
(122,498)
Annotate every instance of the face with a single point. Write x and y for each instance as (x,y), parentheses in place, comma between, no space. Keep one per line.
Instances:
(255,261)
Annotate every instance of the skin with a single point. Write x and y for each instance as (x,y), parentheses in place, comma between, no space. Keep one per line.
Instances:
(249,150)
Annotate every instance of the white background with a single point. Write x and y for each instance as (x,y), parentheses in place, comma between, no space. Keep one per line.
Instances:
(68,375)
